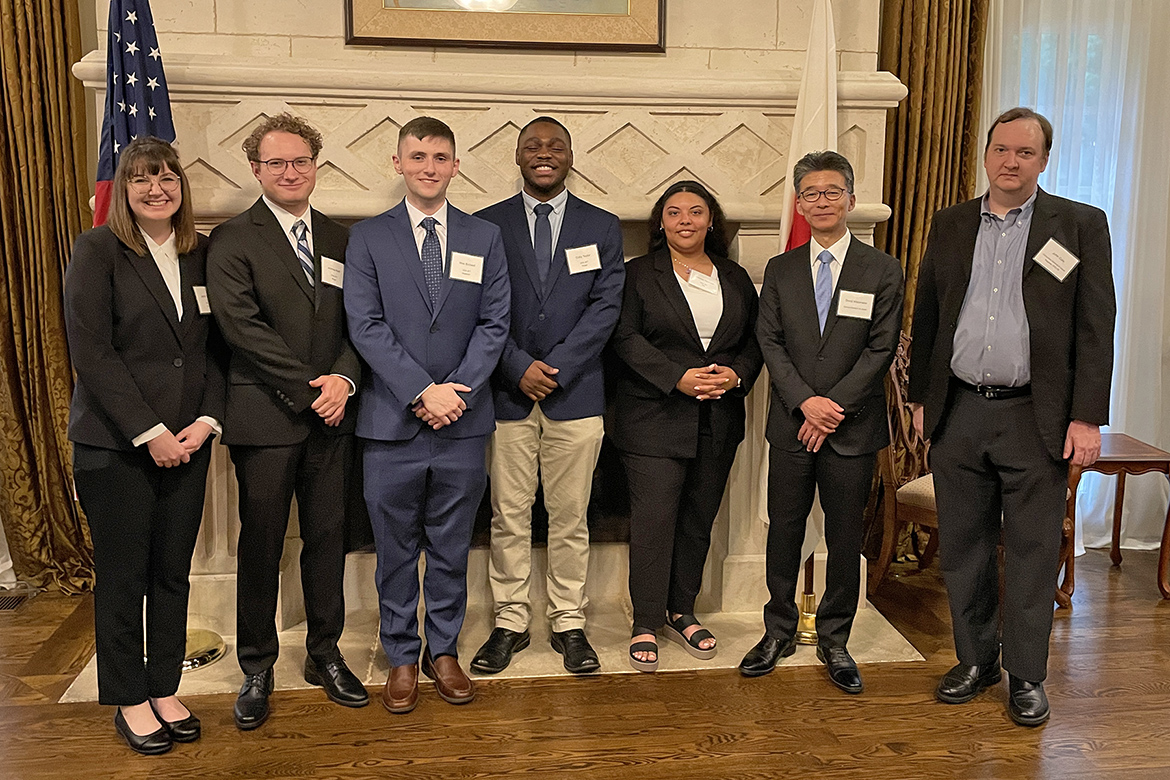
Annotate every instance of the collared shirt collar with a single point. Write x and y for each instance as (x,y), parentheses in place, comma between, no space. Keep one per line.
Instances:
(417,216)
(167,247)
(557,203)
(1025,210)
(287,220)
(838,249)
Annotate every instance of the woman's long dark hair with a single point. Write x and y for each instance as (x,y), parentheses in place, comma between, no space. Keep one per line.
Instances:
(716,241)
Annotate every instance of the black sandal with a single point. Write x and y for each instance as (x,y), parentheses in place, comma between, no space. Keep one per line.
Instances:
(643,647)
(674,630)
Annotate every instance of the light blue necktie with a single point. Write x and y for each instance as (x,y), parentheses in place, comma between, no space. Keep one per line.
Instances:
(542,241)
(824,287)
(301,232)
(432,260)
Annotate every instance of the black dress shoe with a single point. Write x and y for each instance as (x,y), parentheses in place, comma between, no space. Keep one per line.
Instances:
(762,658)
(574,646)
(496,653)
(341,685)
(152,744)
(963,683)
(186,730)
(842,668)
(1027,704)
(251,708)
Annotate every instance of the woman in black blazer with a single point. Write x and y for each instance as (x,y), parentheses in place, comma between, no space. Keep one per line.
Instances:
(687,357)
(149,394)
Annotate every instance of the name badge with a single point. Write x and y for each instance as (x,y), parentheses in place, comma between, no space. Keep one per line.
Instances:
(1056,260)
(703,282)
(332,272)
(467,268)
(855,304)
(583,258)
(201,301)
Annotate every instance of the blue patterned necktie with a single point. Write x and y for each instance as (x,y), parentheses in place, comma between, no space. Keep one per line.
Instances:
(432,260)
(301,233)
(824,287)
(542,241)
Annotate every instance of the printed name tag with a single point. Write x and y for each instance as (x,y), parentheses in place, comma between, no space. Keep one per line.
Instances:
(583,258)
(467,268)
(855,304)
(703,282)
(201,299)
(332,272)
(1056,260)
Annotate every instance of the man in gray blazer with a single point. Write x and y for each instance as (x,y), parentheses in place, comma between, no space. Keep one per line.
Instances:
(830,313)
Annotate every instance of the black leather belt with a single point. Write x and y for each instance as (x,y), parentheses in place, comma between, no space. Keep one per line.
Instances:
(995,392)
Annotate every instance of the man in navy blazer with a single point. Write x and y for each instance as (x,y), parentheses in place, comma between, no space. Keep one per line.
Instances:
(830,313)
(566,269)
(426,296)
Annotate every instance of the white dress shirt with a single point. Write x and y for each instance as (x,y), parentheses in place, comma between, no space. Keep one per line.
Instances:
(420,233)
(838,250)
(706,307)
(556,217)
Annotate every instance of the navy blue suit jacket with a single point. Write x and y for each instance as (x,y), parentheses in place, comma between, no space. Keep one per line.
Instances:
(567,322)
(406,344)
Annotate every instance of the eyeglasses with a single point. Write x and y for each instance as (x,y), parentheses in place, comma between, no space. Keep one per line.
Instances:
(300,165)
(812,196)
(142,184)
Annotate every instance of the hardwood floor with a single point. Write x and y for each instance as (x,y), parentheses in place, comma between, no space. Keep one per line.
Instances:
(1109,685)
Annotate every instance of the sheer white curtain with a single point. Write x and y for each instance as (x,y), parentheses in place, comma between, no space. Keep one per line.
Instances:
(1099,71)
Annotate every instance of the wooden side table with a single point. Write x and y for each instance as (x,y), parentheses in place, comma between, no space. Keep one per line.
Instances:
(1121,455)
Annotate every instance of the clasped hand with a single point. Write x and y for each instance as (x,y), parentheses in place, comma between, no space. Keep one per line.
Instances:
(539,380)
(708,382)
(169,450)
(440,405)
(330,405)
(821,417)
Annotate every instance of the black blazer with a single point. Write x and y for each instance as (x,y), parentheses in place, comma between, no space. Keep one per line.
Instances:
(1070,322)
(847,363)
(137,365)
(283,333)
(656,342)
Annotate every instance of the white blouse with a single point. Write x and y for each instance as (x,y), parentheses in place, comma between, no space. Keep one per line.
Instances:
(706,306)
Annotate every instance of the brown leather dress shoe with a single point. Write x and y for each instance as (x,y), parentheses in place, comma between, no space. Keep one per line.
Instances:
(453,685)
(400,694)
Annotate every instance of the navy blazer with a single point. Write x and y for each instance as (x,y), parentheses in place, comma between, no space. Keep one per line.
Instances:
(1070,323)
(656,342)
(567,322)
(137,364)
(848,363)
(406,344)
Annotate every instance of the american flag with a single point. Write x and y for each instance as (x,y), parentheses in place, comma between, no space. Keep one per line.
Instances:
(137,103)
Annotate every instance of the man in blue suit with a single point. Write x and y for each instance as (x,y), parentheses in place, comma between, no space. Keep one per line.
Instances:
(426,296)
(566,268)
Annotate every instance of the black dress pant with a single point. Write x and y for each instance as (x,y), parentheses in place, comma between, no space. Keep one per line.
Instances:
(989,462)
(144,520)
(844,482)
(673,503)
(317,471)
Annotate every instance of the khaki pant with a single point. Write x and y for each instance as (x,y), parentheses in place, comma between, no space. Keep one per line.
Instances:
(564,454)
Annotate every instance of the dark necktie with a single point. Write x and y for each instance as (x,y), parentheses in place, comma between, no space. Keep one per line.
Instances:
(824,287)
(432,260)
(542,241)
(301,233)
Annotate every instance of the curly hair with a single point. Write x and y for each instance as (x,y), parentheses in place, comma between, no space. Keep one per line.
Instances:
(284,123)
(716,239)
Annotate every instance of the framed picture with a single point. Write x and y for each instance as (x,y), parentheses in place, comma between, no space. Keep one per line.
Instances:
(605,25)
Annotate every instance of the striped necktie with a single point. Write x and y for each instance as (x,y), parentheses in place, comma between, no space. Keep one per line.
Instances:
(301,234)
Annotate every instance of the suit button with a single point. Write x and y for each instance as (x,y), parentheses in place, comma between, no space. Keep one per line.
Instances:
(434,329)
(540,316)
(820,357)
(177,362)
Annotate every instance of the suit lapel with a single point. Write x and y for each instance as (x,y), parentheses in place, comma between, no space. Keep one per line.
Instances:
(852,275)
(520,236)
(1041,229)
(456,224)
(403,233)
(151,277)
(570,227)
(272,232)
(732,305)
(668,283)
(187,279)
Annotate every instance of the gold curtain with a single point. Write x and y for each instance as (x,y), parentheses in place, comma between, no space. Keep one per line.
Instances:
(935,47)
(43,206)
